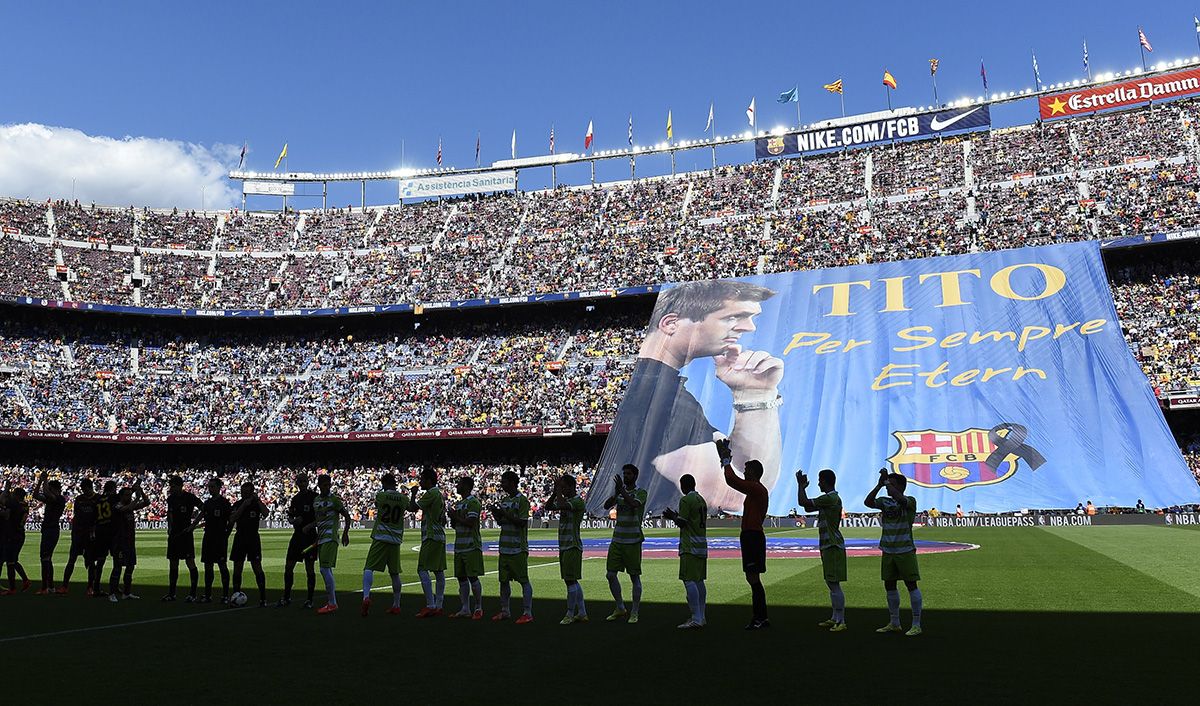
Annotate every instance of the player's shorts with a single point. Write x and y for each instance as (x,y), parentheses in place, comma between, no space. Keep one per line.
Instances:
(246,547)
(79,543)
(181,547)
(327,554)
(383,555)
(432,556)
(50,536)
(625,557)
(514,567)
(12,547)
(754,551)
(570,564)
(214,547)
(99,547)
(833,562)
(302,547)
(124,553)
(900,567)
(692,567)
(468,564)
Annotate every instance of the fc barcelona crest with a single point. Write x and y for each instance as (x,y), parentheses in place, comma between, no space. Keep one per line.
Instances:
(962,459)
(775,145)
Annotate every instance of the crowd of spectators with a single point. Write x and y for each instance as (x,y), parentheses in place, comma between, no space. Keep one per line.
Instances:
(355,483)
(1158,303)
(1091,177)
(135,377)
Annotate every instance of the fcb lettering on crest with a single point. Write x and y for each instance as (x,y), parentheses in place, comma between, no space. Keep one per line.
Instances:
(775,145)
(949,459)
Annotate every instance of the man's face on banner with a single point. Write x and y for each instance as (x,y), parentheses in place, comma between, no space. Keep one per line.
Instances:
(720,330)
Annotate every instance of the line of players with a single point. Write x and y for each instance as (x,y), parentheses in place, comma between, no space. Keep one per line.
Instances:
(103,526)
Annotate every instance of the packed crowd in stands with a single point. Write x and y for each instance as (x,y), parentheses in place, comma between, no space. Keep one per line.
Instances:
(1091,177)
(355,483)
(1158,302)
(136,377)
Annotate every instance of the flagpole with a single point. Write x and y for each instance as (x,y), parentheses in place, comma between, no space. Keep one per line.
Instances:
(714,134)
(842,98)
(1141,49)
(1197,33)
(889,97)
(935,95)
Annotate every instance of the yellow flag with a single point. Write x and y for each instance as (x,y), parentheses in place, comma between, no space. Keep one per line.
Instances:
(281,156)
(670,132)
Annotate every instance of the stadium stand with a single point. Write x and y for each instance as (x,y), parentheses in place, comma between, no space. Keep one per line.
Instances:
(1098,177)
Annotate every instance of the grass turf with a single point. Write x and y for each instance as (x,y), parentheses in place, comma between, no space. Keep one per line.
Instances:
(1033,613)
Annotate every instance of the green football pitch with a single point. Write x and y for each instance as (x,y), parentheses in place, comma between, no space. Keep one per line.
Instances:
(1088,613)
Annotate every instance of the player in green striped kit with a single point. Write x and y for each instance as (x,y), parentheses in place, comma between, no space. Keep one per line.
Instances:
(512,512)
(899,561)
(328,508)
(571,509)
(386,537)
(468,550)
(828,507)
(625,550)
(692,518)
(432,559)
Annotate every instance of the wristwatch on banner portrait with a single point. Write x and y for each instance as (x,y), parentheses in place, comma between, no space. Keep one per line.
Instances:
(755,406)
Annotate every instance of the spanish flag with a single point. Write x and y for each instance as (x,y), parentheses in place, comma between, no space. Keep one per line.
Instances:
(281,156)
(889,80)
(835,87)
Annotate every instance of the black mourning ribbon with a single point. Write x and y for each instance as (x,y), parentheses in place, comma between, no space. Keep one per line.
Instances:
(1012,443)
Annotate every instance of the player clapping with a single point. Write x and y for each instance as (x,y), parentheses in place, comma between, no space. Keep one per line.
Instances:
(468,550)
(828,507)
(899,559)
(124,551)
(692,518)
(386,537)
(512,512)
(49,493)
(214,545)
(571,508)
(328,508)
(432,557)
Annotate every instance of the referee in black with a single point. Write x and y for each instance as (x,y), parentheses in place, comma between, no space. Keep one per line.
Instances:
(753,539)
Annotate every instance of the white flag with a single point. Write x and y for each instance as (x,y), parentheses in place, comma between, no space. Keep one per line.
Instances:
(514,145)
(750,113)
(708,125)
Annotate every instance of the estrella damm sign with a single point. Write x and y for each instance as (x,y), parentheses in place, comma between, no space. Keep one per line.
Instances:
(950,459)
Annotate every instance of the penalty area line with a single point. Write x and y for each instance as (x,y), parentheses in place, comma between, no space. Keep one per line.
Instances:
(96,628)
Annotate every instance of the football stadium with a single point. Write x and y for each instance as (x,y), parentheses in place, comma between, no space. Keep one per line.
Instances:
(762,369)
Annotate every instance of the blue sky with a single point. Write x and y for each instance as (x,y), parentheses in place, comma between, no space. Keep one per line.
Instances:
(347,83)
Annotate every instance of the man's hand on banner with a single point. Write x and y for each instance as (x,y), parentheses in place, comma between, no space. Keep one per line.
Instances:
(752,376)
(801,479)
(883,476)
(724,452)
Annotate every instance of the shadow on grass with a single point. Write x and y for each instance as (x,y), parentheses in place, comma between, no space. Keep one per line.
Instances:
(296,656)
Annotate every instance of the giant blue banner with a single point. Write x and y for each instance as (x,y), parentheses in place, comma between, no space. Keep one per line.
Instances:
(995,381)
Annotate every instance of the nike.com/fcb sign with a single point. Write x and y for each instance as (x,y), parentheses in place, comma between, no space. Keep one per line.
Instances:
(1115,95)
(907,127)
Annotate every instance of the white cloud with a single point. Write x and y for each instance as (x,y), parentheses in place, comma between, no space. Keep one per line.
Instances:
(39,162)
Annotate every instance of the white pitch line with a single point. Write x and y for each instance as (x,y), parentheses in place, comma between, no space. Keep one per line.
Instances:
(111,627)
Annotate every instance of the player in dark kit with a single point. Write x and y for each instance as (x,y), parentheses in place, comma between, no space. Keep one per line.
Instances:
(214,545)
(247,545)
(102,538)
(303,545)
(181,542)
(49,493)
(83,526)
(14,509)
(124,551)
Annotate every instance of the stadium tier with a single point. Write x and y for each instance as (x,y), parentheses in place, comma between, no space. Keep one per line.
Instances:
(1095,177)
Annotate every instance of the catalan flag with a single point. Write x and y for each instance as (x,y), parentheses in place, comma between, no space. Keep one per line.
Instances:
(889,80)
(282,156)
(835,87)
